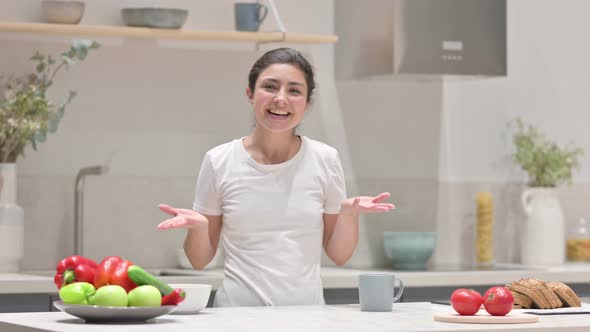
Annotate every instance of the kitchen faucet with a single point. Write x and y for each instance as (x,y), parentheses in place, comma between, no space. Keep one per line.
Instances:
(79,204)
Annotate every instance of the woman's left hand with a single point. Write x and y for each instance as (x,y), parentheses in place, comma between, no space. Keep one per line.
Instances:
(367,204)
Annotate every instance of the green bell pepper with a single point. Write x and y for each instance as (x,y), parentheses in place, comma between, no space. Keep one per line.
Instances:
(77,293)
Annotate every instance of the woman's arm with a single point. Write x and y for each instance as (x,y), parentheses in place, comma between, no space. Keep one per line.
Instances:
(200,244)
(340,236)
(203,231)
(341,230)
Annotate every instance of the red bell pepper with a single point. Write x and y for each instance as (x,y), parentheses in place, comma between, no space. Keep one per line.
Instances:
(113,271)
(74,268)
(174,298)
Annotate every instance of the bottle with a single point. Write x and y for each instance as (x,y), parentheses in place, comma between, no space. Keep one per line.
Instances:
(485,229)
(578,242)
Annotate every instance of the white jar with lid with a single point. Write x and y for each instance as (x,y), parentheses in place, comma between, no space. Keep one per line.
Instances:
(578,242)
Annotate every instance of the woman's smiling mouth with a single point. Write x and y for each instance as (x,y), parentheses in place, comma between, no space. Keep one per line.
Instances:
(278,114)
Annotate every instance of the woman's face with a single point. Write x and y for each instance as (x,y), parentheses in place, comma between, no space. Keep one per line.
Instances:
(280,98)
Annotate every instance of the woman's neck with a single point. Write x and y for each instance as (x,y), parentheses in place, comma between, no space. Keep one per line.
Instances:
(270,148)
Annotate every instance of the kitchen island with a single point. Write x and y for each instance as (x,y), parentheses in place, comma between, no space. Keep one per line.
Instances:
(339,318)
(34,291)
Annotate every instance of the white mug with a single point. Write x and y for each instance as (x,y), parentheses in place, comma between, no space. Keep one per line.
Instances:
(376,291)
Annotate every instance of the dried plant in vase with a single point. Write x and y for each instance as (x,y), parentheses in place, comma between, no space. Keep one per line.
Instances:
(26,113)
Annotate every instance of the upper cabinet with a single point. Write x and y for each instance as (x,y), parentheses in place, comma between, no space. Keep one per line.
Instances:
(420,38)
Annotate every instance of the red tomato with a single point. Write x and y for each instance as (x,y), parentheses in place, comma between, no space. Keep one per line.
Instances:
(466,301)
(498,301)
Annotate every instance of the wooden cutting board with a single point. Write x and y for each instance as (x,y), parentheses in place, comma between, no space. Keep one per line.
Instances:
(481,318)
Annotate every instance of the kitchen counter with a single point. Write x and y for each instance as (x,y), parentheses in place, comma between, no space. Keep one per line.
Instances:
(405,317)
(333,277)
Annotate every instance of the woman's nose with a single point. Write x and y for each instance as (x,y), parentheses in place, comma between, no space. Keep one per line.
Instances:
(280,99)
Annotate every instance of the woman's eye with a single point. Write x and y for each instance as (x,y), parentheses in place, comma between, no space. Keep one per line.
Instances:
(295,92)
(269,87)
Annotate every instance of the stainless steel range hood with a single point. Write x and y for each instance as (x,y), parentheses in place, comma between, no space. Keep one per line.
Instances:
(428,38)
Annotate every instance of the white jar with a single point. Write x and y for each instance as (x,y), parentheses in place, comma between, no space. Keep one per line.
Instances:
(11,237)
(11,221)
(543,236)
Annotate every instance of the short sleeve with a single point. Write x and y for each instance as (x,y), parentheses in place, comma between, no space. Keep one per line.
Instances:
(336,186)
(207,198)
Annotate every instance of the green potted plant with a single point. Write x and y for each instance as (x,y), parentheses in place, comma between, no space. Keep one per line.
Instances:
(547,165)
(27,115)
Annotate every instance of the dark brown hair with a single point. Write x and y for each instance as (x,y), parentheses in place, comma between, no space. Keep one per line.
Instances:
(282,56)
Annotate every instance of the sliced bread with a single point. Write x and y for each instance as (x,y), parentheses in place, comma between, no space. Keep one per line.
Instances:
(565,293)
(522,300)
(524,287)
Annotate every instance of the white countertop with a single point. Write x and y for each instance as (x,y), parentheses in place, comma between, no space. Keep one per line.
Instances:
(415,316)
(333,277)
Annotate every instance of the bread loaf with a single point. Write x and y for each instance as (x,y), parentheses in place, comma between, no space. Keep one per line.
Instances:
(551,297)
(524,286)
(535,293)
(565,293)
(522,300)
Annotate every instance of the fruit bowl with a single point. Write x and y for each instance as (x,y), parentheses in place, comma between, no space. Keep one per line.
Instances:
(102,314)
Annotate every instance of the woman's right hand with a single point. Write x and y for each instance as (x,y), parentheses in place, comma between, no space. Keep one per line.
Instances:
(182,218)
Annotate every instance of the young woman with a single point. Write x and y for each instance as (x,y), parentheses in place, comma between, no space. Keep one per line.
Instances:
(273,198)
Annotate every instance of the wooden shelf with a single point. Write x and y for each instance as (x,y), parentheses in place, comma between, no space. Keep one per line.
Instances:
(150,33)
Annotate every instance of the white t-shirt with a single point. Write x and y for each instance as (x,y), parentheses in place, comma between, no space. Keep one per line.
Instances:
(272,221)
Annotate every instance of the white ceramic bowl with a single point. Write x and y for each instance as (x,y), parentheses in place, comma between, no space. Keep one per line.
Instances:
(63,12)
(197,296)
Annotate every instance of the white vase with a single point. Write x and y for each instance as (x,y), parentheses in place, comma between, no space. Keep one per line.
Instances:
(11,221)
(543,235)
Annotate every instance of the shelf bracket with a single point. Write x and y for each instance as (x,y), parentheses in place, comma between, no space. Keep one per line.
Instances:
(277,17)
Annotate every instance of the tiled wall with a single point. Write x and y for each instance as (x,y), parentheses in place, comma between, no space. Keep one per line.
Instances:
(121,215)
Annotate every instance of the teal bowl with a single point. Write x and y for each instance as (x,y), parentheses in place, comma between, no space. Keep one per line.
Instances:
(409,250)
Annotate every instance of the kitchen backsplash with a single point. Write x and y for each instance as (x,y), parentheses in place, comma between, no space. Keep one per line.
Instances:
(121,214)
(456,218)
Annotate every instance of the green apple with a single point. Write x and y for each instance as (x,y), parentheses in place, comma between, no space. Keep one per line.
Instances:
(110,296)
(77,293)
(145,296)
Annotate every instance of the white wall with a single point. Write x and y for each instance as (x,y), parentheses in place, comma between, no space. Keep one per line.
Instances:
(547,85)
(156,107)
(135,94)
(160,106)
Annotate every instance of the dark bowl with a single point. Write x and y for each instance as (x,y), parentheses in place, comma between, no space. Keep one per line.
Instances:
(152,17)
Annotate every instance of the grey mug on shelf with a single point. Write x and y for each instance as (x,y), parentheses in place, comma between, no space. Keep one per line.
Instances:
(376,291)
(249,15)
